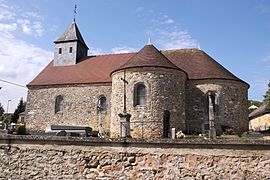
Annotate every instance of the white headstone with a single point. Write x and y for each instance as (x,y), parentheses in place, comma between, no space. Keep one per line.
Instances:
(173,133)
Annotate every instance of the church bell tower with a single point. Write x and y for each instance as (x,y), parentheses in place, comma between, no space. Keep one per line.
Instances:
(70,47)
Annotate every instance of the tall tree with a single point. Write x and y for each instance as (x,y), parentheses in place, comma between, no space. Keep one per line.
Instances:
(267,97)
(2,111)
(253,102)
(20,108)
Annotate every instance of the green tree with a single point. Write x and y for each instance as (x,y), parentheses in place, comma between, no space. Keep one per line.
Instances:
(253,102)
(8,119)
(20,108)
(2,111)
(267,97)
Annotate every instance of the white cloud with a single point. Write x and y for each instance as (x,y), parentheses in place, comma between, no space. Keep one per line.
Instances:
(12,19)
(166,33)
(95,51)
(175,39)
(25,25)
(6,29)
(167,20)
(31,14)
(6,12)
(38,28)
(31,28)
(20,61)
(123,49)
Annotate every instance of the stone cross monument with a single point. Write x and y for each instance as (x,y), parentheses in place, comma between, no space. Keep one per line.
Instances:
(124,117)
(212,130)
(100,121)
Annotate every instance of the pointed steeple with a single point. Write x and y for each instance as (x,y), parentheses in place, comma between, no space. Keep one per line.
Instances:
(149,56)
(72,33)
(70,47)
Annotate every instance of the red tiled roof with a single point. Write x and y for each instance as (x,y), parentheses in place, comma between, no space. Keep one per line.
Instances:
(198,64)
(148,56)
(96,69)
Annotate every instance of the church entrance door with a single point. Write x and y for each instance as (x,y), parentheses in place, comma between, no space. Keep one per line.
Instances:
(166,123)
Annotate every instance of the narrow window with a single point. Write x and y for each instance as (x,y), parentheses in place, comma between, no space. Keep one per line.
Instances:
(59,104)
(70,49)
(139,95)
(102,104)
(213,99)
(206,127)
(60,50)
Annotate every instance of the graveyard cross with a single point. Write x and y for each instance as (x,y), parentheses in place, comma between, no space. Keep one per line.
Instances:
(125,94)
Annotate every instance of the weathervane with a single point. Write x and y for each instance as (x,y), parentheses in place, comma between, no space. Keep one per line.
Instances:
(75,12)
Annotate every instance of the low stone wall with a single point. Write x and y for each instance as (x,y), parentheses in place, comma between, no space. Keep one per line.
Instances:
(36,157)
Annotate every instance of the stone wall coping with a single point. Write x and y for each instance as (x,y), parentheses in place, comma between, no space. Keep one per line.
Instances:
(249,144)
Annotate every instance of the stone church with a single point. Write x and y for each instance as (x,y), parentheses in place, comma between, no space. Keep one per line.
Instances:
(160,89)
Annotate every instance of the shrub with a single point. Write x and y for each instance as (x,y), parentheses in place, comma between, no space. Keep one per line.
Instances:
(21,130)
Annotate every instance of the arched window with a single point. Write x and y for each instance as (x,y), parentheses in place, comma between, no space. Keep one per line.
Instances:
(212,97)
(102,103)
(139,95)
(59,104)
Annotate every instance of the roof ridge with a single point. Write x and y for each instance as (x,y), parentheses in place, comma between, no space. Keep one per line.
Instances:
(109,54)
(148,56)
(182,49)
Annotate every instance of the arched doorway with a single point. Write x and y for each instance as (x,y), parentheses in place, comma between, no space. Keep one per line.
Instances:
(166,123)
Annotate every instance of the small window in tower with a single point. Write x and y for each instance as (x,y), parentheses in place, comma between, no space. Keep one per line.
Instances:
(60,50)
(70,49)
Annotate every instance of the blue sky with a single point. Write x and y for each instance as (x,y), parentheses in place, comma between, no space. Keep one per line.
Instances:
(236,33)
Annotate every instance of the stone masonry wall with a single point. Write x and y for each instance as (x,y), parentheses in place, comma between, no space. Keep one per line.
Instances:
(231,109)
(165,90)
(80,106)
(45,161)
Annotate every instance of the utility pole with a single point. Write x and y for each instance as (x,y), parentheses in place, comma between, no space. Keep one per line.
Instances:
(8,104)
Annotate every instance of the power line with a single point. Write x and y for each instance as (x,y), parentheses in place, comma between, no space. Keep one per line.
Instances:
(13,83)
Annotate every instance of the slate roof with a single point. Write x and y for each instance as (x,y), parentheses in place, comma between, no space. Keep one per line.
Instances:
(72,33)
(96,69)
(260,111)
(148,56)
